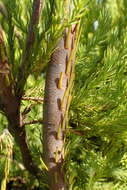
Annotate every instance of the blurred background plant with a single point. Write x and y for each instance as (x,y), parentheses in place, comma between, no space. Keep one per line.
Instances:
(6,153)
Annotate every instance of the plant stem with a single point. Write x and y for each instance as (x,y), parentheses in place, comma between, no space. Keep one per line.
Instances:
(25,67)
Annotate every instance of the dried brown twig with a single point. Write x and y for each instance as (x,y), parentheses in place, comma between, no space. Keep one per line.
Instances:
(39,121)
(32,98)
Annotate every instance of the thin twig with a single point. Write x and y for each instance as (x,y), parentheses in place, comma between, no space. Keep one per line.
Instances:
(33,99)
(77,132)
(39,121)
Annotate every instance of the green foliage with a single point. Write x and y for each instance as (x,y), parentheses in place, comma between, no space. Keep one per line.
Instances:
(97,159)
